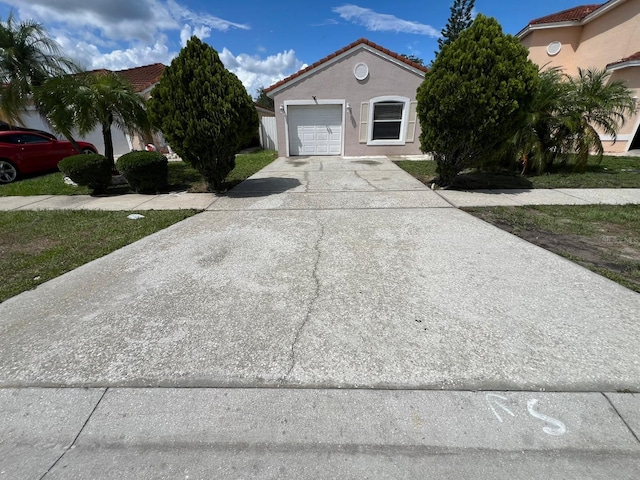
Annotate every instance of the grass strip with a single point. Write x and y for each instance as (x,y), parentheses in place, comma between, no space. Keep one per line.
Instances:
(36,246)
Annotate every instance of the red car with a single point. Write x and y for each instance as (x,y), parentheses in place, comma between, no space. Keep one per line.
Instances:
(27,151)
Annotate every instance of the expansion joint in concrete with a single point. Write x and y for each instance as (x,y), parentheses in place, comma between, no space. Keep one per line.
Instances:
(72,444)
(312,302)
(621,417)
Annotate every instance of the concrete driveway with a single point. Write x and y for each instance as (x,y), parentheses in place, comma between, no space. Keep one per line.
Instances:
(326,273)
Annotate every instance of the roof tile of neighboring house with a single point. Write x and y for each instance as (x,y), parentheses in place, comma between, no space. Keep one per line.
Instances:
(570,15)
(630,58)
(143,77)
(140,77)
(340,52)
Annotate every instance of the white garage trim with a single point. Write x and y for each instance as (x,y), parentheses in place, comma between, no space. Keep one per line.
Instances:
(311,103)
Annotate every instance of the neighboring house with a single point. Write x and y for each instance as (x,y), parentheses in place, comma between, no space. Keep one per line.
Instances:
(143,80)
(601,36)
(358,101)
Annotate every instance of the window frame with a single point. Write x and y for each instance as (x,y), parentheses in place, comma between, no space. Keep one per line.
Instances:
(401,140)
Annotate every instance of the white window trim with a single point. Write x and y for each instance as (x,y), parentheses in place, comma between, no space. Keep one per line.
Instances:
(288,103)
(403,121)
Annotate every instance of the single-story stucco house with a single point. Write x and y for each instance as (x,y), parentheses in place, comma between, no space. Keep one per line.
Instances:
(604,36)
(358,101)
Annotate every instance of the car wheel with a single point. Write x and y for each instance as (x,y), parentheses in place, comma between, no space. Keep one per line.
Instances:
(87,150)
(8,172)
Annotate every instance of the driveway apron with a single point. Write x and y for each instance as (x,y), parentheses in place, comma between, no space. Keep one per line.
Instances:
(326,272)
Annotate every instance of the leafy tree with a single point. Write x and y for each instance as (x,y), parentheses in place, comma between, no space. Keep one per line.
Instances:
(413,58)
(85,101)
(264,100)
(203,111)
(459,20)
(27,58)
(475,97)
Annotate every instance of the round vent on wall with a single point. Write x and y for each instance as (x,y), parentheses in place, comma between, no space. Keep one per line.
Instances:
(554,48)
(361,71)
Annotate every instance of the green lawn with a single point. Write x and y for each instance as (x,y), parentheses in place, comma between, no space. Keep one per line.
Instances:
(38,246)
(181,178)
(603,238)
(612,172)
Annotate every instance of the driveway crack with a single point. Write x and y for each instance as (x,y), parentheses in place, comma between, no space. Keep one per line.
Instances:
(72,444)
(621,417)
(367,181)
(312,302)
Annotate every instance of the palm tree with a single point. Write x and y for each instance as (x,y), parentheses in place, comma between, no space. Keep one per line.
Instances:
(80,103)
(597,106)
(568,115)
(28,56)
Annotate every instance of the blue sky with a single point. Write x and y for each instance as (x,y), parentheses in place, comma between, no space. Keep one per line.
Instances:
(261,42)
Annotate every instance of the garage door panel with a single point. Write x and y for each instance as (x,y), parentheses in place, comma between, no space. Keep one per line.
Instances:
(315,129)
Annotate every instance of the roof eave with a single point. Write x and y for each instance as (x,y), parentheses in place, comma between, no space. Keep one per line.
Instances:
(573,23)
(545,26)
(612,67)
(602,10)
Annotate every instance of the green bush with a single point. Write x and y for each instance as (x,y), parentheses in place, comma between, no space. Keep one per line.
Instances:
(88,169)
(144,171)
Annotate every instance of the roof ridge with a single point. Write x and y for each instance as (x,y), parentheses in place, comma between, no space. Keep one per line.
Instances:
(340,52)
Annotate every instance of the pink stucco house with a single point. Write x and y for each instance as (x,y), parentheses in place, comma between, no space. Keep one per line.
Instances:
(358,101)
(603,35)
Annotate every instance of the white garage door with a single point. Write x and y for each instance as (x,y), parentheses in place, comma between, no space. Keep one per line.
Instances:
(315,129)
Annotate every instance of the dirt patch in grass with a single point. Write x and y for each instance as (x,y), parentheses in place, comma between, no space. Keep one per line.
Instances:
(608,247)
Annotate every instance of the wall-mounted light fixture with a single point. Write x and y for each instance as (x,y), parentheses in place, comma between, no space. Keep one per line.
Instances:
(282,108)
(348,107)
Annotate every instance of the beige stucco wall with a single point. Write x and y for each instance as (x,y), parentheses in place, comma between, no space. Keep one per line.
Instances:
(336,81)
(607,39)
(610,37)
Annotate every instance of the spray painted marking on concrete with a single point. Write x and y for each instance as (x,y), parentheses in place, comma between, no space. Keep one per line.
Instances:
(559,427)
(494,400)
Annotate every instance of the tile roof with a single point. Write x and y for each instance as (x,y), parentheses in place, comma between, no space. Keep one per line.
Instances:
(340,52)
(570,15)
(140,77)
(630,58)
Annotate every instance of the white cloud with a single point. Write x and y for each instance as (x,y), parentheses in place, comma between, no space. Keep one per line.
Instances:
(255,72)
(123,20)
(90,57)
(382,22)
(120,34)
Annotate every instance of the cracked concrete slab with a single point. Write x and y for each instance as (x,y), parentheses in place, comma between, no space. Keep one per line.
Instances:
(14,203)
(628,406)
(61,202)
(609,196)
(38,426)
(416,298)
(306,433)
(332,201)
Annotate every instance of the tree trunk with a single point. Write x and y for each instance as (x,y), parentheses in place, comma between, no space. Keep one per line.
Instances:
(108,140)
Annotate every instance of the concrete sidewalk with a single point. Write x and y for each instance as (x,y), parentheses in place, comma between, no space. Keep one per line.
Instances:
(328,318)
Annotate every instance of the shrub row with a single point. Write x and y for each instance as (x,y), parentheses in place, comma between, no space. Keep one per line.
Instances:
(145,172)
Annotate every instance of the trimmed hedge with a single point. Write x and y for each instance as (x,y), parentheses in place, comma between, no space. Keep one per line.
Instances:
(88,169)
(146,172)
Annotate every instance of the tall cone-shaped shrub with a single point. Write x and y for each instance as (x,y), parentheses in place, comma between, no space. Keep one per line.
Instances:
(475,97)
(203,111)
